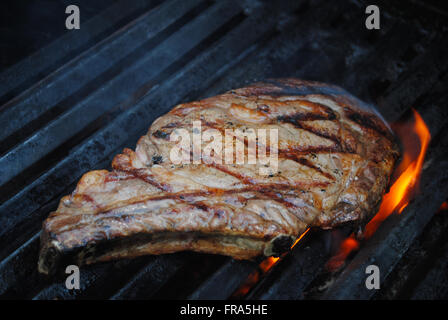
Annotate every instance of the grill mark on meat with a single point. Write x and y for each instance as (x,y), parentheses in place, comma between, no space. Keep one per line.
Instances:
(340,145)
(80,197)
(279,198)
(288,153)
(343,148)
(201,206)
(299,124)
(249,181)
(244,179)
(264,193)
(309,164)
(282,153)
(329,113)
(217,212)
(115,176)
(332,93)
(365,120)
(254,188)
(296,117)
(116,214)
(313,149)
(149,178)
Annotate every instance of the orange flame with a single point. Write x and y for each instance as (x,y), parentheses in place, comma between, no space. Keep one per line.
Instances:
(263,268)
(397,199)
(268,263)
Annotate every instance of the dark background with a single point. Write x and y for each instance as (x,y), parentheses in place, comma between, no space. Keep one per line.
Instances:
(27,25)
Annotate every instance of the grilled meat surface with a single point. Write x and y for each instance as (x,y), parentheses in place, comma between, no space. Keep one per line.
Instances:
(335,158)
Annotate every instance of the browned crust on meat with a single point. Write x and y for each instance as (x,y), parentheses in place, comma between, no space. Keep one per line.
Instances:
(335,160)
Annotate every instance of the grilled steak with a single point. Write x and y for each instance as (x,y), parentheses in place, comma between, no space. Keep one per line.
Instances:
(335,158)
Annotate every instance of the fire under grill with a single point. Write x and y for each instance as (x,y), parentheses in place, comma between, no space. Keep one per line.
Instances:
(72,105)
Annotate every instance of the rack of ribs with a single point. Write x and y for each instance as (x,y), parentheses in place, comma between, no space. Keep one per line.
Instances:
(335,159)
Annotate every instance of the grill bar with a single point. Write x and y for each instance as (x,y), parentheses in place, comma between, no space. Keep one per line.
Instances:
(230,276)
(157,273)
(24,74)
(292,275)
(427,278)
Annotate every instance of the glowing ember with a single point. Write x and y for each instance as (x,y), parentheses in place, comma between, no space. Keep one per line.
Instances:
(444,206)
(401,192)
(251,280)
(300,238)
(263,268)
(348,245)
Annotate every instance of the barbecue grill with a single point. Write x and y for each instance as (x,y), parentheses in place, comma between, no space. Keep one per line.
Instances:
(71,105)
